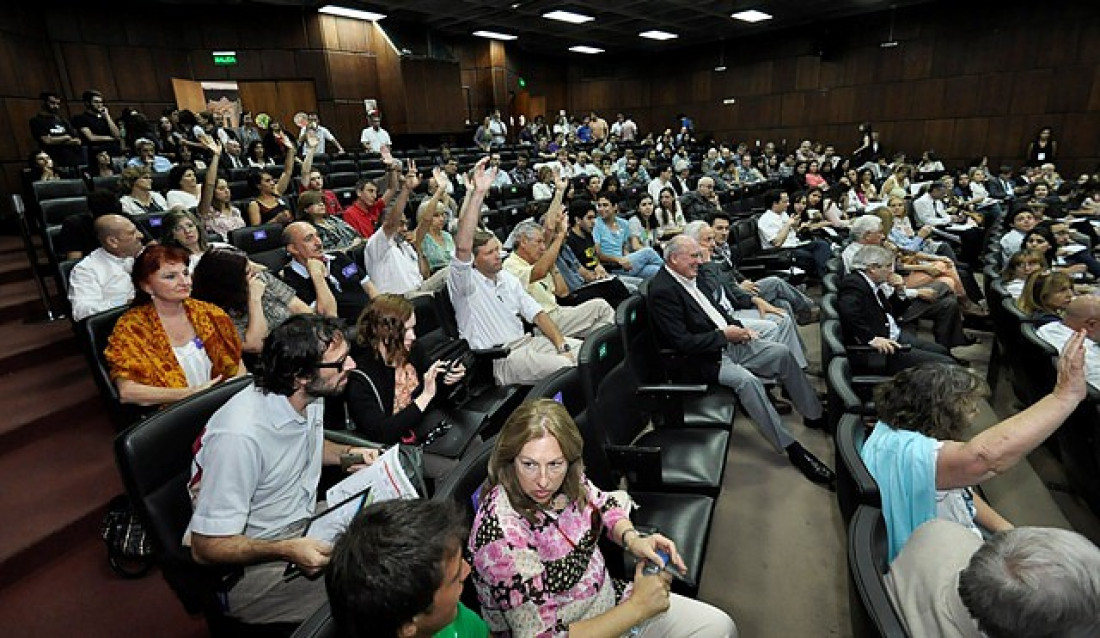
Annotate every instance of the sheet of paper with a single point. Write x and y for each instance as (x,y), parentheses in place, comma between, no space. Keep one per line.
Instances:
(385,477)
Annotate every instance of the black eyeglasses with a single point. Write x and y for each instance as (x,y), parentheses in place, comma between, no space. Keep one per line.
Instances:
(337,365)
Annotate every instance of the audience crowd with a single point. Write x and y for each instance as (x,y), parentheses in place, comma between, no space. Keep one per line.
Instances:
(536,234)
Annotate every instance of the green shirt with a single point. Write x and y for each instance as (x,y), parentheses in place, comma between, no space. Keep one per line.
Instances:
(466,624)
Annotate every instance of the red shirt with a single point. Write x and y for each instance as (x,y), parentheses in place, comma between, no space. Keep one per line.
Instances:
(364,218)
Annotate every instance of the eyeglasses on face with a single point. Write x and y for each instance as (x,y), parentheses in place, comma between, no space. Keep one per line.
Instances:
(531,469)
(337,365)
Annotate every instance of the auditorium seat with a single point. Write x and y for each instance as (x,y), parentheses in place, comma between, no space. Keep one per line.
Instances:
(93,332)
(854,484)
(682,459)
(257,239)
(872,613)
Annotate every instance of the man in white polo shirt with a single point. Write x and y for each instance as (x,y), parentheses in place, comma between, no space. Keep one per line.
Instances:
(489,301)
(389,258)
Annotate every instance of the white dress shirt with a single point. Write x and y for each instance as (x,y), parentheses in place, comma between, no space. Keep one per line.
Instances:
(100,281)
(488,311)
(1058,333)
(392,264)
(769,225)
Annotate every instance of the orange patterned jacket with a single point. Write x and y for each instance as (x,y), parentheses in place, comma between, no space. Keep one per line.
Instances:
(139,351)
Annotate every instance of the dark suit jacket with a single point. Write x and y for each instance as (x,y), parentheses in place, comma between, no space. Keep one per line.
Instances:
(344,278)
(861,316)
(682,326)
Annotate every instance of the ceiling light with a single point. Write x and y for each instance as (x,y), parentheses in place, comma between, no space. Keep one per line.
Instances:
(351,13)
(655,34)
(568,16)
(752,15)
(494,35)
(580,48)
(720,68)
(729,101)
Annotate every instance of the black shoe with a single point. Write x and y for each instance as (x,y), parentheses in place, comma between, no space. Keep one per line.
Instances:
(820,423)
(810,466)
(782,406)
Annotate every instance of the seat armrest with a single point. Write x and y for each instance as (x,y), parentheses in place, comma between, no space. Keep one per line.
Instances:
(641,465)
(683,389)
(348,438)
(496,352)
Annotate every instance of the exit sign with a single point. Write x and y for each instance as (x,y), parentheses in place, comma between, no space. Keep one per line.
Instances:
(225,58)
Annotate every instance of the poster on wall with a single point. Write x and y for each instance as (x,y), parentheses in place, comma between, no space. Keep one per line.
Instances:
(371,106)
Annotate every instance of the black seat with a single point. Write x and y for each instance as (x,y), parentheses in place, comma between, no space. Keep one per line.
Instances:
(55,211)
(320,625)
(672,404)
(273,259)
(58,189)
(107,183)
(257,239)
(154,459)
(685,518)
(854,484)
(1008,330)
(341,180)
(150,224)
(689,459)
(872,613)
(93,331)
(828,306)
(461,485)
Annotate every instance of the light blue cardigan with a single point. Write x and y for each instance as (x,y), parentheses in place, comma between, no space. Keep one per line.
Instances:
(904,466)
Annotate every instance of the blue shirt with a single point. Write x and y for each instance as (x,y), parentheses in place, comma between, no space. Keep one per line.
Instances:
(610,241)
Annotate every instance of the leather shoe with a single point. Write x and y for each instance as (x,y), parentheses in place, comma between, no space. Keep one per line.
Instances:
(782,406)
(812,316)
(820,423)
(810,466)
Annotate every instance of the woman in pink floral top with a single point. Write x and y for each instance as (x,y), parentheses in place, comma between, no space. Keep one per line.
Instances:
(537,568)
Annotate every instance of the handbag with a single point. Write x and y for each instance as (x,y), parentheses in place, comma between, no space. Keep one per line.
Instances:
(129,551)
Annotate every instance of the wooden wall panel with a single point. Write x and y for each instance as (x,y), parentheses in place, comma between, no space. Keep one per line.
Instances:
(278,63)
(136,81)
(89,67)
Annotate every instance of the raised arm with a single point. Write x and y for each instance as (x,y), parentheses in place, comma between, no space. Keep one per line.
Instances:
(307,161)
(288,170)
(1002,446)
(396,211)
(471,209)
(392,181)
(211,179)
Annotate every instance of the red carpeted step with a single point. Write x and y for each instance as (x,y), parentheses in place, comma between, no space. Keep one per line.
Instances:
(53,395)
(55,491)
(20,300)
(75,594)
(27,344)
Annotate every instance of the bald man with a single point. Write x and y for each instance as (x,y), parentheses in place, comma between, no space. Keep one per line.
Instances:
(1083,313)
(101,280)
(702,202)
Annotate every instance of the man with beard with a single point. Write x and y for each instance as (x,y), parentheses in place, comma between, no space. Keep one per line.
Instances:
(54,134)
(256,470)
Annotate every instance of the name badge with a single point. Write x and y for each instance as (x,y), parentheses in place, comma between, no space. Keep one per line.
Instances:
(350,271)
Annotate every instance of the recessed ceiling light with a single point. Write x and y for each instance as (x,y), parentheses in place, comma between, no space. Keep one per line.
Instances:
(655,34)
(720,68)
(494,35)
(580,48)
(752,15)
(351,13)
(568,16)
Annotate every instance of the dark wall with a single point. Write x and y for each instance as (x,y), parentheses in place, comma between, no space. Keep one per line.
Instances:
(132,52)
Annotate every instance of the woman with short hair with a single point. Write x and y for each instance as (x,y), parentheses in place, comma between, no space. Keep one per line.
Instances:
(924,471)
(168,346)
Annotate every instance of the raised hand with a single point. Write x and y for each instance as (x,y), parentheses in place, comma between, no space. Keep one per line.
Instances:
(483,178)
(412,178)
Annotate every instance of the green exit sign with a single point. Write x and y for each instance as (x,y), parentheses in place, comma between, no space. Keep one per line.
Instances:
(225,58)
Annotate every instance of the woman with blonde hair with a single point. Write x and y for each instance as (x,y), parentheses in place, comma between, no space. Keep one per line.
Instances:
(1046,295)
(538,569)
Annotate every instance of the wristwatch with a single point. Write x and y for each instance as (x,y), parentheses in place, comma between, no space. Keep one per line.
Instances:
(563,348)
